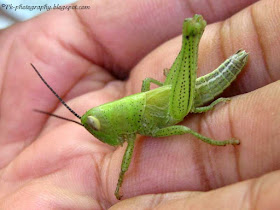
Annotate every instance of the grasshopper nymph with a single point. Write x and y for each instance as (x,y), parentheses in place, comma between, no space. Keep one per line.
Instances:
(156,112)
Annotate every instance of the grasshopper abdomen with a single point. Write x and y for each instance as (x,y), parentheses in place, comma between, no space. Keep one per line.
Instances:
(211,85)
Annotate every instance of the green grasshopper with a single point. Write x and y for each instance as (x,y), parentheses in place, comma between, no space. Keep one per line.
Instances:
(156,112)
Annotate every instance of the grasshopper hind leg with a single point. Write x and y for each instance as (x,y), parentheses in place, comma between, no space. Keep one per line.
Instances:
(180,130)
(210,106)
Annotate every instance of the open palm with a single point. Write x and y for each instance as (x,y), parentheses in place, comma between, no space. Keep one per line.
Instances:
(48,163)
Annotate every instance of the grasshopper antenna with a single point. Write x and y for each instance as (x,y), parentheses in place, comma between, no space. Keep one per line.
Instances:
(60,99)
(57,116)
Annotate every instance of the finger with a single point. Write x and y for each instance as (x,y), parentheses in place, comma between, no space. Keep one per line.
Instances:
(254,119)
(184,162)
(135,34)
(260,193)
(253,29)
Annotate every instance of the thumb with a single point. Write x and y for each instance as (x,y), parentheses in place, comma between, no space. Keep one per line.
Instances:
(259,193)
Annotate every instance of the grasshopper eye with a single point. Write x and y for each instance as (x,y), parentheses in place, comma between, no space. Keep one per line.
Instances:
(93,122)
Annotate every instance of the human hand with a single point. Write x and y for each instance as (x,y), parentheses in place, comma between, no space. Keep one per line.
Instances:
(48,163)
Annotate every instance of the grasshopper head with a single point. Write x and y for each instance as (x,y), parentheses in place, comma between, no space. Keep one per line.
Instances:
(96,122)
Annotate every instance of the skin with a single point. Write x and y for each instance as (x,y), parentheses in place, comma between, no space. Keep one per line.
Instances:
(52,164)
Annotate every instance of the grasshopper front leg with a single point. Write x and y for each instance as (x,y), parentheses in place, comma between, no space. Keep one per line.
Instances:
(147,83)
(125,164)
